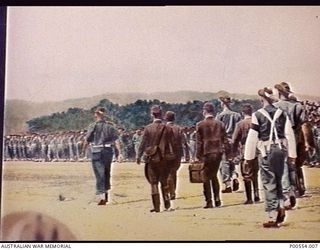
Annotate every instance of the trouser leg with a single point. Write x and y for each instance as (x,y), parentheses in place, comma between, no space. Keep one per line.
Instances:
(207,191)
(286,185)
(155,196)
(156,203)
(165,188)
(99,172)
(107,159)
(271,180)
(248,190)
(225,171)
(172,183)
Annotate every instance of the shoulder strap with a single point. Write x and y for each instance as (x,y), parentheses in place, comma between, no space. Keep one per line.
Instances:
(273,122)
(160,135)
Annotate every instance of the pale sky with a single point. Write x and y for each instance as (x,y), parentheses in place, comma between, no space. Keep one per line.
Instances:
(57,53)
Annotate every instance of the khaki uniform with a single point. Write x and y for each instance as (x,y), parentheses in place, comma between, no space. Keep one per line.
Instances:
(175,164)
(212,142)
(249,170)
(157,172)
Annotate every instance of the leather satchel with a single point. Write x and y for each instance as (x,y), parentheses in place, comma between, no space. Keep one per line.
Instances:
(197,173)
(153,154)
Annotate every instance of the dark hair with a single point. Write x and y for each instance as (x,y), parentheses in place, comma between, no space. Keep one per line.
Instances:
(156,111)
(246,108)
(208,107)
(170,116)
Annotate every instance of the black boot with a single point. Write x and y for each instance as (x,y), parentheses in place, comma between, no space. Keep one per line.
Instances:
(165,196)
(216,192)
(247,186)
(256,189)
(217,202)
(207,194)
(102,203)
(300,182)
(281,215)
(208,205)
(156,203)
(167,203)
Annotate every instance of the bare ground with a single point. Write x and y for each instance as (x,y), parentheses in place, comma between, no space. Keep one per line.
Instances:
(36,186)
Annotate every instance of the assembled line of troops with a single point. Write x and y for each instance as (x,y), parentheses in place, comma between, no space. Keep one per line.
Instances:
(273,140)
(68,146)
(63,146)
(54,147)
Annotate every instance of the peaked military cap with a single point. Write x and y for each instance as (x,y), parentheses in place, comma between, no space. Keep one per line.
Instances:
(225,99)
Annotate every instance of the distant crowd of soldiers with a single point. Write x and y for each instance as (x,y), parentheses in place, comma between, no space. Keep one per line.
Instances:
(69,146)
(66,146)
(313,117)
(275,141)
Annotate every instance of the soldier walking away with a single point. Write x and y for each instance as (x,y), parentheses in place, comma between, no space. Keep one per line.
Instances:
(136,139)
(174,164)
(185,148)
(271,132)
(229,118)
(249,170)
(193,139)
(293,175)
(212,143)
(102,137)
(155,144)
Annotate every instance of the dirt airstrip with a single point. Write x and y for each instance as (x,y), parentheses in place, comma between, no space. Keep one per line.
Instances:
(65,191)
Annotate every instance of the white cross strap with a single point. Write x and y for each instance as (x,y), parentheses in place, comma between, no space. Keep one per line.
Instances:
(273,128)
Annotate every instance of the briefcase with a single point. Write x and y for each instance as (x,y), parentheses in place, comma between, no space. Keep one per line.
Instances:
(197,173)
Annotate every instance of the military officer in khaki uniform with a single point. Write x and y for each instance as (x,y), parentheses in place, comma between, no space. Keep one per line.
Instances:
(229,118)
(212,143)
(175,163)
(155,145)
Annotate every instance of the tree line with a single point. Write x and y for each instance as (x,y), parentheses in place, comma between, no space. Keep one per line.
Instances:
(130,116)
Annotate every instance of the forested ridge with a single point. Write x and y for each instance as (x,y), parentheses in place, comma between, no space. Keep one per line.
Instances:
(129,116)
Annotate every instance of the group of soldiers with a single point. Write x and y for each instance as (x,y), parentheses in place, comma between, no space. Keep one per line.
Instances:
(69,146)
(313,111)
(64,146)
(274,140)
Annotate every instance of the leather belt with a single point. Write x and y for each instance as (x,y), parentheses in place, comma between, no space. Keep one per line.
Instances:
(102,146)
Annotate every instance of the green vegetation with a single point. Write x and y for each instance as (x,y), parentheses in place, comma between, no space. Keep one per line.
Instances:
(130,116)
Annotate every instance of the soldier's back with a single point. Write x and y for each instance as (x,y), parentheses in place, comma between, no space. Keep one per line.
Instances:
(229,118)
